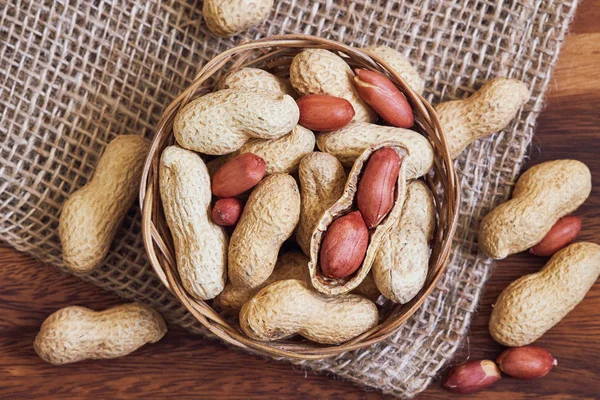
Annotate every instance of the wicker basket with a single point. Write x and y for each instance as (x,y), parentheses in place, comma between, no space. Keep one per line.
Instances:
(275,55)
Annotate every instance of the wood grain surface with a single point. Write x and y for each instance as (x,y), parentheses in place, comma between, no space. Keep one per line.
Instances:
(185,367)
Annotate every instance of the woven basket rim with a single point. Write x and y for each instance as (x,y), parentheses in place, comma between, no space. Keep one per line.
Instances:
(158,243)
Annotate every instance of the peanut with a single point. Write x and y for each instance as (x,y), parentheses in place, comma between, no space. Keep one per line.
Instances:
(344,246)
(221,122)
(400,65)
(269,218)
(256,79)
(543,194)
(534,303)
(75,333)
(332,285)
(227,212)
(368,289)
(291,265)
(281,155)
(227,17)
(561,234)
(238,175)
(529,362)
(348,143)
(322,179)
(472,376)
(200,244)
(375,194)
(91,216)
(324,113)
(486,112)
(319,71)
(401,264)
(290,307)
(384,97)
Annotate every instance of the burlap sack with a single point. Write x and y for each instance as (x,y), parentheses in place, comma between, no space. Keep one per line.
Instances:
(75,74)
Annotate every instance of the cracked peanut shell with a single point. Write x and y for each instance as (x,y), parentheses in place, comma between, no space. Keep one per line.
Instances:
(402,262)
(345,205)
(348,143)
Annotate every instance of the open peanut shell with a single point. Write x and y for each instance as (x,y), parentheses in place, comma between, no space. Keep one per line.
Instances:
(343,206)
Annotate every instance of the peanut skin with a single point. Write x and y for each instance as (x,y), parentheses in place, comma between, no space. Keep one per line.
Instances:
(344,205)
(200,244)
(319,71)
(91,216)
(543,194)
(322,180)
(375,194)
(486,112)
(269,219)
(344,246)
(402,261)
(281,155)
(75,333)
(324,113)
(384,97)
(534,303)
(221,122)
(227,212)
(238,175)
(290,307)
(472,376)
(528,362)
(561,234)
(347,145)
(400,65)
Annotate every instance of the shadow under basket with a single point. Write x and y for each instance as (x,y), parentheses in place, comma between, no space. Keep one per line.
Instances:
(275,55)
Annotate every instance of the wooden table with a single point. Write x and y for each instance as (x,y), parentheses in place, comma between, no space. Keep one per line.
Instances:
(185,366)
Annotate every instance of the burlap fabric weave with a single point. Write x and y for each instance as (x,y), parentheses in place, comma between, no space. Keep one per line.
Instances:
(75,73)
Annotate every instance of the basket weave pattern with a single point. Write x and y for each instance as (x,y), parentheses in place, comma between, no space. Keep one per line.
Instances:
(74,74)
(276,54)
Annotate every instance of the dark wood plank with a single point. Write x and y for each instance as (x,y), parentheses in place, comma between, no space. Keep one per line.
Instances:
(188,366)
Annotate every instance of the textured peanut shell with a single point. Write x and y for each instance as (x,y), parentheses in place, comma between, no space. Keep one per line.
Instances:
(281,155)
(227,17)
(91,216)
(487,111)
(348,143)
(292,265)
(268,219)
(221,122)
(368,288)
(401,264)
(75,333)
(400,65)
(534,303)
(200,244)
(322,181)
(256,79)
(290,307)
(343,206)
(543,194)
(319,71)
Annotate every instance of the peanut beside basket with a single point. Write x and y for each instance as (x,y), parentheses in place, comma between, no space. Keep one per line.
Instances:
(275,55)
